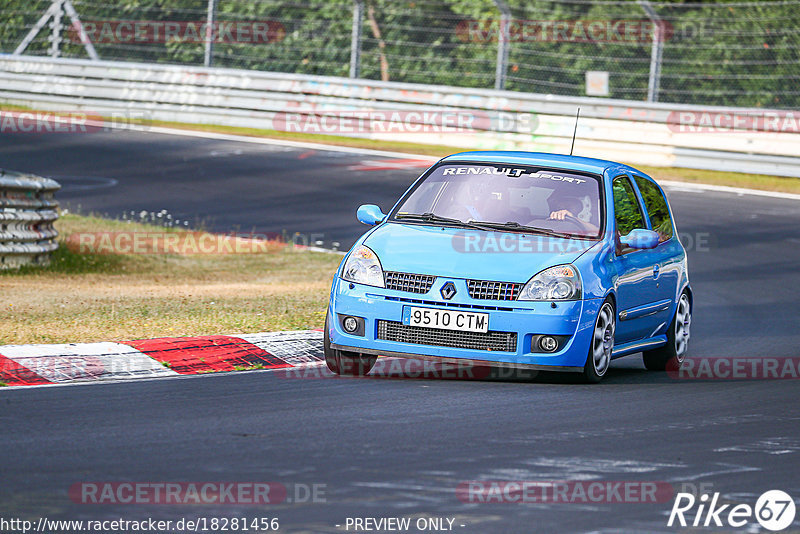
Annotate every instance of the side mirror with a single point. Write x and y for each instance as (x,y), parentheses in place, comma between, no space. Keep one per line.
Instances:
(640,238)
(370,214)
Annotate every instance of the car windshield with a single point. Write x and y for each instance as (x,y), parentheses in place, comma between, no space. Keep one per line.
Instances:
(512,197)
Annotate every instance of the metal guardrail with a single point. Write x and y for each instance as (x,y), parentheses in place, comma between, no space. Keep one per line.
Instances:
(27,213)
(634,132)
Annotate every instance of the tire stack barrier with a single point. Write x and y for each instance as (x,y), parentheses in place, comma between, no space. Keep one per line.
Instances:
(27,212)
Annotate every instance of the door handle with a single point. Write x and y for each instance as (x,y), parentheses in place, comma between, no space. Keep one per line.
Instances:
(656,270)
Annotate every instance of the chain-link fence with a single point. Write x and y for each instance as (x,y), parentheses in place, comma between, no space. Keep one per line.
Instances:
(709,53)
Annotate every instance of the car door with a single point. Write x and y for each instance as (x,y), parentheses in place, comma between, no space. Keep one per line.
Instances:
(635,282)
(667,257)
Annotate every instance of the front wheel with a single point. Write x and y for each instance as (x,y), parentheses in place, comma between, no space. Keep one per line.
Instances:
(602,344)
(673,353)
(343,362)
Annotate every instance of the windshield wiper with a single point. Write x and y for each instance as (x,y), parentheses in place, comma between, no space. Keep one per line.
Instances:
(429,217)
(480,225)
(517,227)
(433,218)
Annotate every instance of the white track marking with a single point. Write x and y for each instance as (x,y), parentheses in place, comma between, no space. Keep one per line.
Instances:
(85,361)
(405,155)
(268,141)
(304,346)
(699,188)
(174,376)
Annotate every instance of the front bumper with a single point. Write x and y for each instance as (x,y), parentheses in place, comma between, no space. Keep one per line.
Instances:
(525,319)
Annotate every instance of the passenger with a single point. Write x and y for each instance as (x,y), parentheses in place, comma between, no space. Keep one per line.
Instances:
(568,208)
(483,200)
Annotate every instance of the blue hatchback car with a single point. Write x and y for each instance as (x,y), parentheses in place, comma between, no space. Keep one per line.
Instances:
(515,259)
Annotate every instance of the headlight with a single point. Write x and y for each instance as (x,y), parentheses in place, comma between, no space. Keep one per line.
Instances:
(363,267)
(561,282)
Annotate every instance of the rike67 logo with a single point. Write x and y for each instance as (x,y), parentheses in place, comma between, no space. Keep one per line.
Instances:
(774,510)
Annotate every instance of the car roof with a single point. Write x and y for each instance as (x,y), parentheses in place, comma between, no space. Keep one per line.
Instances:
(578,163)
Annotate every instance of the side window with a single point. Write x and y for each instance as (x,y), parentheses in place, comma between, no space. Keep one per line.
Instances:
(627,212)
(657,208)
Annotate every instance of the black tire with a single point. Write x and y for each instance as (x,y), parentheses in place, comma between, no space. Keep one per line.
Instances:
(342,362)
(601,345)
(671,355)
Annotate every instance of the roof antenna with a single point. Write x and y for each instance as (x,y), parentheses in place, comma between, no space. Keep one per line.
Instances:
(577,116)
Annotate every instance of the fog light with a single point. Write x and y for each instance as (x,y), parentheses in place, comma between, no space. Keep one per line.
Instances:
(548,344)
(350,324)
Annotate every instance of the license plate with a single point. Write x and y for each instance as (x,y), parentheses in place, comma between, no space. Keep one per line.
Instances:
(446,319)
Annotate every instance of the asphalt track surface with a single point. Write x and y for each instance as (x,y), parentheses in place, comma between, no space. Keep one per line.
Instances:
(389,446)
(224,186)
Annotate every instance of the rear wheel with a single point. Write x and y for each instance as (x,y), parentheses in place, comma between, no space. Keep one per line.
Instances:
(602,344)
(673,353)
(344,362)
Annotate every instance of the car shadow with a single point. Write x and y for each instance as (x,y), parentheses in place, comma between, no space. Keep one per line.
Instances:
(622,371)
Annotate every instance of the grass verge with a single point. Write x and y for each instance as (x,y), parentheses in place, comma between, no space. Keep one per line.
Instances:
(732,179)
(85,297)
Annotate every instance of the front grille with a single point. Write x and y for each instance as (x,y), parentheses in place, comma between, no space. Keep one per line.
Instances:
(488,290)
(413,283)
(417,335)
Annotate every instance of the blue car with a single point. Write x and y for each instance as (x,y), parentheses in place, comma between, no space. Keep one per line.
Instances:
(515,259)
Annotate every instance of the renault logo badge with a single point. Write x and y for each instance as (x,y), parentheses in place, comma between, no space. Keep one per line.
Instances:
(448,291)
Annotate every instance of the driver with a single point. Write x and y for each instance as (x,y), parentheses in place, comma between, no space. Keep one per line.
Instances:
(564,206)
